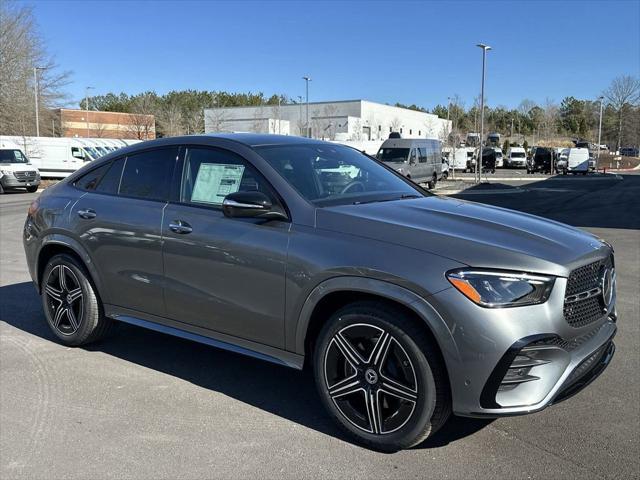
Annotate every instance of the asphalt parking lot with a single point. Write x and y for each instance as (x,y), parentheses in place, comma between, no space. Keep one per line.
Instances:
(145,405)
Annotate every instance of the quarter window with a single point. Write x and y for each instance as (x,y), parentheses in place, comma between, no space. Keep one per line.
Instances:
(110,181)
(147,175)
(90,180)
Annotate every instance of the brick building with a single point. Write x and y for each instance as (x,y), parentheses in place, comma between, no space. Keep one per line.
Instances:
(95,124)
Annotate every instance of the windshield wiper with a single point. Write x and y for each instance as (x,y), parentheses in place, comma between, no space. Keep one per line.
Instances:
(401,197)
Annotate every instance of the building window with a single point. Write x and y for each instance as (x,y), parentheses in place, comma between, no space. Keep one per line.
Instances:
(379,128)
(400,129)
(419,133)
(411,131)
(390,129)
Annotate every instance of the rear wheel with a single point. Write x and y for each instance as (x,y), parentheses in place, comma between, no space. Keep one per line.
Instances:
(71,305)
(380,376)
(432,183)
(445,175)
(1,189)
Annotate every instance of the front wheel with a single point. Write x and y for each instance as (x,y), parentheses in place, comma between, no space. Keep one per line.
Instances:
(32,189)
(432,183)
(445,176)
(380,376)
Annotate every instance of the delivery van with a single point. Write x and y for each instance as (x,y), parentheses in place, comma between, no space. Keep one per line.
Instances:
(16,171)
(415,158)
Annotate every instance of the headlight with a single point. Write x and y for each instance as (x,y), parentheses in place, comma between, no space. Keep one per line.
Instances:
(7,172)
(498,289)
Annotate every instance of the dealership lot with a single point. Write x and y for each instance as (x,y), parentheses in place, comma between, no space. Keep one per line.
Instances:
(142,404)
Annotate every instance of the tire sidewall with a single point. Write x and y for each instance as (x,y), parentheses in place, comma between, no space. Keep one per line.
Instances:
(424,408)
(91,306)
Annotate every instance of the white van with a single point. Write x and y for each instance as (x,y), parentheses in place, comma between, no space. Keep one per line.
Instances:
(577,160)
(499,157)
(516,157)
(15,169)
(415,158)
(54,157)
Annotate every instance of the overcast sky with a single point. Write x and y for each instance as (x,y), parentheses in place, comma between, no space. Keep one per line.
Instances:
(415,52)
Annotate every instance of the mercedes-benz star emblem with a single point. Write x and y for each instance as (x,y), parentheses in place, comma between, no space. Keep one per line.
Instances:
(370,376)
(606,284)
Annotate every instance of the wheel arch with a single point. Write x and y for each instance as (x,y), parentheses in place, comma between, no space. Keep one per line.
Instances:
(56,244)
(339,291)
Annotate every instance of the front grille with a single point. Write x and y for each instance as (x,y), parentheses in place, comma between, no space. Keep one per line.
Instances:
(25,176)
(579,313)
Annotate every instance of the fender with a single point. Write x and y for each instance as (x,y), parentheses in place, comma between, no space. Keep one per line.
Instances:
(413,301)
(64,240)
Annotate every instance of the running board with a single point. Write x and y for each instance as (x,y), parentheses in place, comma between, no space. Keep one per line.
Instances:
(287,359)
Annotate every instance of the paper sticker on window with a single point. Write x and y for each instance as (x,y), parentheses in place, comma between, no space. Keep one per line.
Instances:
(215,181)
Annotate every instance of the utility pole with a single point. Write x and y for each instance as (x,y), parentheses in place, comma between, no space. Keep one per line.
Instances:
(484,59)
(307,79)
(86,106)
(601,98)
(36,95)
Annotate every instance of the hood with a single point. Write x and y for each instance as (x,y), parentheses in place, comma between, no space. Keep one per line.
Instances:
(470,233)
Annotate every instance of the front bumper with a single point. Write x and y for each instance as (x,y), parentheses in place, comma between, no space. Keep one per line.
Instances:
(514,361)
(9,182)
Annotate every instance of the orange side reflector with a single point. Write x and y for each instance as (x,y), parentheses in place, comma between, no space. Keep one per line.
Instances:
(467,290)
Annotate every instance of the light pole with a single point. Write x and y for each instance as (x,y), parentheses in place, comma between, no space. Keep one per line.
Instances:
(307,79)
(300,111)
(35,94)
(484,59)
(86,106)
(601,98)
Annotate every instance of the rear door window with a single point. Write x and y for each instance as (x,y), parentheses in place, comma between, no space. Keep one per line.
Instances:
(147,175)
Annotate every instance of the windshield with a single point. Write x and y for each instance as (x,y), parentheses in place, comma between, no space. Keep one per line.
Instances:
(517,154)
(12,156)
(336,175)
(393,154)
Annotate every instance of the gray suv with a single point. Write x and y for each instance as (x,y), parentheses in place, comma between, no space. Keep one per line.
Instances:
(406,306)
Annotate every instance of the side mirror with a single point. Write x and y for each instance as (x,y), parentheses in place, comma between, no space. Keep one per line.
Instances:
(249,204)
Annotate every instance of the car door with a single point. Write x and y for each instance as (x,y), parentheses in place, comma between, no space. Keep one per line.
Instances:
(119,221)
(223,274)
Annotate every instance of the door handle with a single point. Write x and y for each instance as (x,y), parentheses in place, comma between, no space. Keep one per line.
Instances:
(87,214)
(180,226)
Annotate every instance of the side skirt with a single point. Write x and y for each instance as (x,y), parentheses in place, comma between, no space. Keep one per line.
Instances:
(207,337)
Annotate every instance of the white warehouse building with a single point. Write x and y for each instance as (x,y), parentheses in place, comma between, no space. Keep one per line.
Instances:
(355,120)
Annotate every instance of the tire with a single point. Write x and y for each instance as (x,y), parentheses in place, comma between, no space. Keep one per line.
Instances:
(72,308)
(407,350)
(432,183)
(1,189)
(32,189)
(445,176)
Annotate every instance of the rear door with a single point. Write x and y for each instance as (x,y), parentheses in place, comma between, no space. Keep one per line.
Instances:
(223,274)
(120,219)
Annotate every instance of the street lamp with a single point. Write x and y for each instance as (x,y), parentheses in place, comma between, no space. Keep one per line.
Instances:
(35,93)
(307,79)
(86,106)
(601,98)
(484,59)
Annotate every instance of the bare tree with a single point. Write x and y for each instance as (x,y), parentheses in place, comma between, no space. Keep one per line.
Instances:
(550,115)
(21,51)
(395,124)
(217,117)
(329,128)
(141,122)
(170,118)
(622,94)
